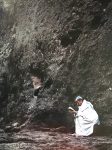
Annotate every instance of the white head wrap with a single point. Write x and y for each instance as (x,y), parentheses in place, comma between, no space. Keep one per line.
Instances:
(77,98)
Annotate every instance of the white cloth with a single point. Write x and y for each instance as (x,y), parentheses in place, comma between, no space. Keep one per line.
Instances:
(85,119)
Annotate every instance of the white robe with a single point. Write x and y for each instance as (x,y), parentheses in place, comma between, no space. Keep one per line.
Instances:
(85,119)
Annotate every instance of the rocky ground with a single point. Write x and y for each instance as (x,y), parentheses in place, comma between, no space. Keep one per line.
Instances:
(51,140)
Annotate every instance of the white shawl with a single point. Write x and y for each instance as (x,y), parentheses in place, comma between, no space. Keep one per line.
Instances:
(85,119)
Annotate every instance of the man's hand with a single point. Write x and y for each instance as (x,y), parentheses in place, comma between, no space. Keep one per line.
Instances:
(71,110)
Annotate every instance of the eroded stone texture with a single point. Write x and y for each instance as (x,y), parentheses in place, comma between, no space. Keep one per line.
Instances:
(70,42)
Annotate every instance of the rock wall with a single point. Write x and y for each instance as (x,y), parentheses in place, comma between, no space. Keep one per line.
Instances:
(70,42)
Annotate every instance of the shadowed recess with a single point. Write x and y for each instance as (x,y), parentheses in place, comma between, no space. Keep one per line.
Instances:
(70,37)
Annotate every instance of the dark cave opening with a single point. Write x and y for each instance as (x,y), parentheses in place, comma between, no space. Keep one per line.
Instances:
(98,21)
(104,2)
(50,118)
(70,37)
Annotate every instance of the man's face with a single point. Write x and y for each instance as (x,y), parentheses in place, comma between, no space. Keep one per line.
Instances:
(78,102)
(36,80)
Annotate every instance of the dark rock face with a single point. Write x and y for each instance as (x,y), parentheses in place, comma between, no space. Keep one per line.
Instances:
(70,42)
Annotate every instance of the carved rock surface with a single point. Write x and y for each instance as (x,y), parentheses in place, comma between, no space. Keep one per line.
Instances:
(70,42)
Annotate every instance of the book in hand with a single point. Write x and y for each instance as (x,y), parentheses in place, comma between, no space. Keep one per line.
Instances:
(70,108)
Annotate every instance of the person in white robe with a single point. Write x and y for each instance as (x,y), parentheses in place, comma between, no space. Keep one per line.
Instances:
(85,118)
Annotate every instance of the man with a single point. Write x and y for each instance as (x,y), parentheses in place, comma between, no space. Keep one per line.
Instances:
(37,84)
(40,84)
(85,118)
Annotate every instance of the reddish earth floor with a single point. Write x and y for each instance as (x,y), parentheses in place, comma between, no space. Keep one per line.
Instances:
(30,139)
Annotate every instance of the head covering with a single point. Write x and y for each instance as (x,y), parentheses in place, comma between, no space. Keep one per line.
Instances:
(77,98)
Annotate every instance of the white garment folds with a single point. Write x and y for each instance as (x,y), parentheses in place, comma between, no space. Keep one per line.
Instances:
(85,119)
